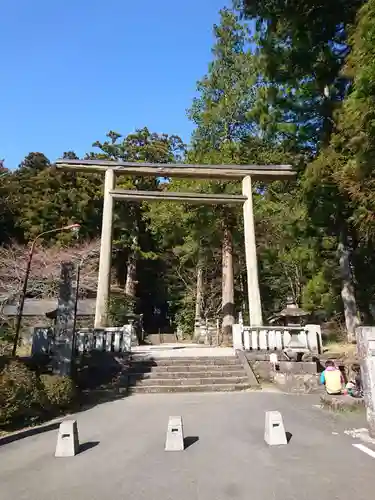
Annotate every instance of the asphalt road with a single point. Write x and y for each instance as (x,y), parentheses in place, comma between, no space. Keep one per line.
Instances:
(125,458)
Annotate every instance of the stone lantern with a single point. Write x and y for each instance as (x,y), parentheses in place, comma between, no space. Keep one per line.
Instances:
(293,316)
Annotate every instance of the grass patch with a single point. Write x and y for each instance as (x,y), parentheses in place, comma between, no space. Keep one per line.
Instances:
(342,350)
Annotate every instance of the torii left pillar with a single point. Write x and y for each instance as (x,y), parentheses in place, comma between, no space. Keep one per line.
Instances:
(105,260)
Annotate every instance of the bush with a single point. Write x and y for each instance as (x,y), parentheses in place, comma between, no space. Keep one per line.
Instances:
(20,394)
(6,342)
(119,309)
(60,391)
(26,397)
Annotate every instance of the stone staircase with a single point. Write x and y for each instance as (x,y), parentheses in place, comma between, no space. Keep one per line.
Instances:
(198,374)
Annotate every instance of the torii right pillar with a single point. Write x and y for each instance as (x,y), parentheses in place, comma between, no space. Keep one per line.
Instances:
(253,291)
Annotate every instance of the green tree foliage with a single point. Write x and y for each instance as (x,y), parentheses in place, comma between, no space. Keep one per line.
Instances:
(294,258)
(51,198)
(226,93)
(340,181)
(303,50)
(221,113)
(353,145)
(7,209)
(134,246)
(302,47)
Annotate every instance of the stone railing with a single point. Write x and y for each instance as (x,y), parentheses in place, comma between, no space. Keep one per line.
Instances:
(275,338)
(106,339)
(115,339)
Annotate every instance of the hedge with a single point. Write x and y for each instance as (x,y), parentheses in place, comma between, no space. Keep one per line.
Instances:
(60,391)
(26,397)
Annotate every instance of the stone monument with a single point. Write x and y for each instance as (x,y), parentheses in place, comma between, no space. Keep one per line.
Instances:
(64,331)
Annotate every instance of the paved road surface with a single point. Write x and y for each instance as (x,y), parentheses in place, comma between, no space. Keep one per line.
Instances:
(229,461)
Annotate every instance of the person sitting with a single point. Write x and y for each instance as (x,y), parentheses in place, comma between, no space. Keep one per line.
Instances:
(332,378)
(354,386)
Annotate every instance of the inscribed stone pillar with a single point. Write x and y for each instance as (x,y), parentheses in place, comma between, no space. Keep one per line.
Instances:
(64,335)
(366,353)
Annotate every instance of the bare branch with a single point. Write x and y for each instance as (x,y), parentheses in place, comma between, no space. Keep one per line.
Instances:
(45,269)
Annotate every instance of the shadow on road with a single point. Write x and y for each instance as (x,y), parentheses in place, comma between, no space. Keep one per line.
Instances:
(87,446)
(101,377)
(190,440)
(32,431)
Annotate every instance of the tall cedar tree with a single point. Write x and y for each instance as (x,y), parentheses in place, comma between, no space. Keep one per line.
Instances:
(221,114)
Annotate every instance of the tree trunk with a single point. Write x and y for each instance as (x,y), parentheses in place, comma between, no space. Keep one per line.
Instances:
(199,292)
(347,290)
(131,276)
(131,270)
(227,285)
(242,278)
(198,301)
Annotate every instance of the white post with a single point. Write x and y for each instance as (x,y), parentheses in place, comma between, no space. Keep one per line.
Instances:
(237,336)
(255,308)
(104,276)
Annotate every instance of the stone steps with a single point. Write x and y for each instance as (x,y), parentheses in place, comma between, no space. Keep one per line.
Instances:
(139,389)
(194,368)
(197,361)
(190,381)
(187,374)
(199,374)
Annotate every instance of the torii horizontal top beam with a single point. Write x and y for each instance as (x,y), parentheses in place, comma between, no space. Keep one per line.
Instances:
(229,172)
(201,198)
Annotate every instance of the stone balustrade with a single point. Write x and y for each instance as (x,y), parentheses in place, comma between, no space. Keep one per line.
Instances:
(275,338)
(114,339)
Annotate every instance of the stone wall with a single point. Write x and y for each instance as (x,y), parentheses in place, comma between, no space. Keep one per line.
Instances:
(297,383)
(293,377)
(163,338)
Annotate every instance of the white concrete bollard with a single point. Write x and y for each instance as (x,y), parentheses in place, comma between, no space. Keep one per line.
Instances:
(175,435)
(67,439)
(274,431)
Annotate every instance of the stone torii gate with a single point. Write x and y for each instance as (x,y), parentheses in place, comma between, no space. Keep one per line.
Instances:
(246,173)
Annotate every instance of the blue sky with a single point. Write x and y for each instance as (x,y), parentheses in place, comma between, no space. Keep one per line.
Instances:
(71,70)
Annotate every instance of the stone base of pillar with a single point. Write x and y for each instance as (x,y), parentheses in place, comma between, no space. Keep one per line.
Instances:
(370,414)
(366,354)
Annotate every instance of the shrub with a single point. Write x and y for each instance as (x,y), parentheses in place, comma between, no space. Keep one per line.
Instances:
(20,394)
(26,397)
(119,309)
(60,391)
(6,341)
